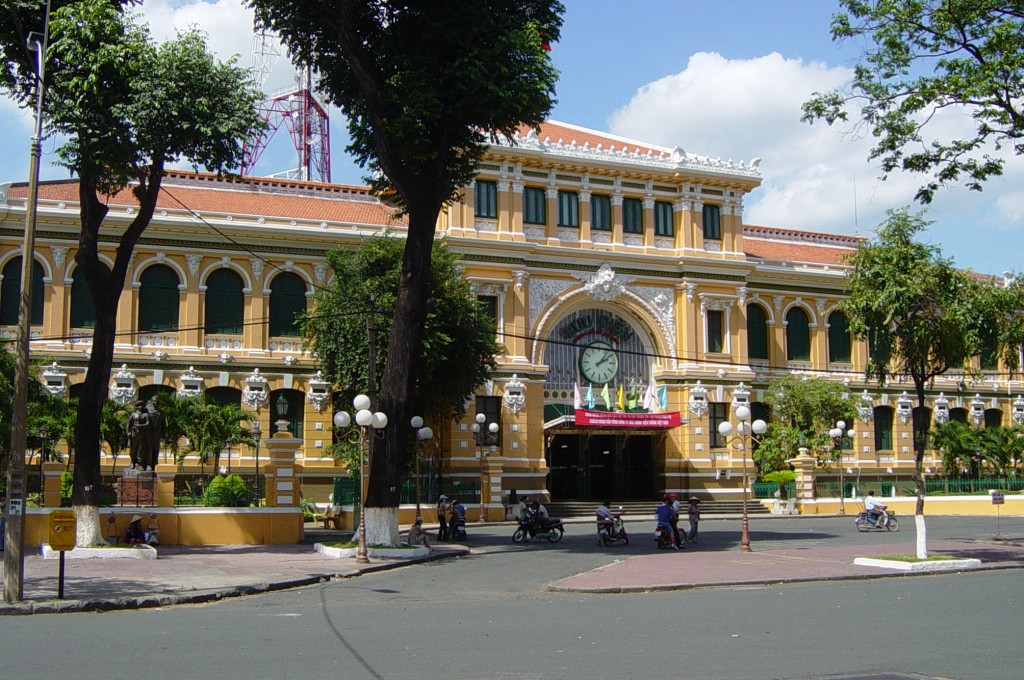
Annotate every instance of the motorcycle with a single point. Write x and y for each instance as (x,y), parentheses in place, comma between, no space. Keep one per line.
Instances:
(866,522)
(664,536)
(457,529)
(530,528)
(616,531)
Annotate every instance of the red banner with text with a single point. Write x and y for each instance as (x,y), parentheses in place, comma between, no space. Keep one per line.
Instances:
(589,418)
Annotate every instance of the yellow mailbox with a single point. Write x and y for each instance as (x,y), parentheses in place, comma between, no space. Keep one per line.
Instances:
(63,530)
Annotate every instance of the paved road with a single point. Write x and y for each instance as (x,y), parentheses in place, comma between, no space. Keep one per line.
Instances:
(489,615)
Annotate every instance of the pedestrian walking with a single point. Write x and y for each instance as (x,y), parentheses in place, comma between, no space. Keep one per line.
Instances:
(693,510)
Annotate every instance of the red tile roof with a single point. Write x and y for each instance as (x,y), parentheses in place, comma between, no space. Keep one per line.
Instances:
(257,196)
(788,245)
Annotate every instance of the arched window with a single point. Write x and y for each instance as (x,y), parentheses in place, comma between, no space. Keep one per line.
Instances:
(225,303)
(295,413)
(838,338)
(757,332)
(798,335)
(993,417)
(158,299)
(958,415)
(883,428)
(224,396)
(10,293)
(287,302)
(83,309)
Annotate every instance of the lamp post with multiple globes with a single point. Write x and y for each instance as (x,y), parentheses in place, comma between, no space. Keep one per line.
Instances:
(365,418)
(423,434)
(484,436)
(745,433)
(837,433)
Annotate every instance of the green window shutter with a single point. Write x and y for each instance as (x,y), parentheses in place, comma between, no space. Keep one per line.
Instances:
(83,309)
(838,338)
(798,335)
(717,413)
(158,299)
(225,303)
(989,357)
(712,222)
(486,199)
(568,209)
(600,212)
(10,293)
(716,334)
(757,332)
(663,219)
(534,206)
(883,428)
(287,303)
(632,216)
(491,408)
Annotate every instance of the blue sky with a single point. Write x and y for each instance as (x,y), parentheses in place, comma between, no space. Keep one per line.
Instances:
(722,79)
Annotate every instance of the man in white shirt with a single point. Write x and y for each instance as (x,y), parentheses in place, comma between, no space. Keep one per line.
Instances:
(875,510)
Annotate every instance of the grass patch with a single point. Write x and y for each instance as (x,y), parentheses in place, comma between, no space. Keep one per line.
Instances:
(914,558)
(340,544)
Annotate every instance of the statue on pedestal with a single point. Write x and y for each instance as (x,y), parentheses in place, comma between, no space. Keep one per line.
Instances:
(137,430)
(154,434)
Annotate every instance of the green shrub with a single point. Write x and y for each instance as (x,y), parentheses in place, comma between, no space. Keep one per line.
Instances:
(227,492)
(66,485)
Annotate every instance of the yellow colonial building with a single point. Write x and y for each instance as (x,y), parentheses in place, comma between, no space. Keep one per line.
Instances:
(609,264)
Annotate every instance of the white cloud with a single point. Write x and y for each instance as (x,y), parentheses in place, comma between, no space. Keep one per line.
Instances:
(746,108)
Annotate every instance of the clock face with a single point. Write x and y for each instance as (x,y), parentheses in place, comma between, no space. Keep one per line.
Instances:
(599,363)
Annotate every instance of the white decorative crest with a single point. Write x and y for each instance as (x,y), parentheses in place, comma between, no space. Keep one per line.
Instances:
(60,254)
(514,398)
(255,394)
(977,413)
(698,400)
(521,277)
(941,409)
(55,381)
(605,285)
(904,408)
(865,408)
(257,268)
(319,391)
(193,262)
(320,272)
(191,384)
(123,389)
(1017,415)
(740,396)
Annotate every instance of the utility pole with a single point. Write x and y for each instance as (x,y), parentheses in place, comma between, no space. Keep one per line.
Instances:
(14,538)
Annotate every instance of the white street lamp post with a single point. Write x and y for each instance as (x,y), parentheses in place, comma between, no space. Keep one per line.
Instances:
(741,442)
(364,418)
(481,440)
(423,434)
(837,434)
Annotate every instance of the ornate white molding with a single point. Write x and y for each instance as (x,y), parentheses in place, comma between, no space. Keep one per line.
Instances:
(662,300)
(257,268)
(865,408)
(193,261)
(941,410)
(123,389)
(698,400)
(520,277)
(534,232)
(319,272)
(605,285)
(1017,412)
(319,392)
(191,384)
(60,254)
(740,396)
(977,411)
(569,235)
(255,394)
(55,380)
(634,241)
(712,301)
(904,408)
(514,397)
(600,237)
(542,292)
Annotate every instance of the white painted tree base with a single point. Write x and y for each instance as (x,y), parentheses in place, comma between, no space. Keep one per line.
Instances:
(138,552)
(396,553)
(922,537)
(89,532)
(382,526)
(933,565)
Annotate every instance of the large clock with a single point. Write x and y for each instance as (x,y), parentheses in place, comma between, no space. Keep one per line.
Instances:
(599,363)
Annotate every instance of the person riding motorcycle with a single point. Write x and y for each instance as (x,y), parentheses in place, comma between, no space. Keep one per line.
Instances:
(605,518)
(664,514)
(875,510)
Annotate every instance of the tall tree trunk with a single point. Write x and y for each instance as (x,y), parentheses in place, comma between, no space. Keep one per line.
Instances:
(387,455)
(919,487)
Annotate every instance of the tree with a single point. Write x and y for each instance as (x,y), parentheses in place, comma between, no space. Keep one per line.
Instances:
(958,444)
(459,343)
(929,56)
(804,409)
(931,316)
(424,85)
(128,108)
(209,428)
(114,429)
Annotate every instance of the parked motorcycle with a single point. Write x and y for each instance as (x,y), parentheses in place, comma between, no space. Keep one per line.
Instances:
(608,534)
(866,522)
(530,528)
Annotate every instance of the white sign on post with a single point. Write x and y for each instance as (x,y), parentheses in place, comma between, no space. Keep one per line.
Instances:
(998,498)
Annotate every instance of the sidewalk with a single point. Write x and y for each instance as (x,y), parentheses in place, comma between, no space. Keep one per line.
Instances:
(679,570)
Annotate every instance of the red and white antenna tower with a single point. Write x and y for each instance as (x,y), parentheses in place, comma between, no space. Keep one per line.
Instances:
(296,108)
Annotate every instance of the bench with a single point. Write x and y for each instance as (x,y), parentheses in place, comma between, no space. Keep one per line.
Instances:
(330,516)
